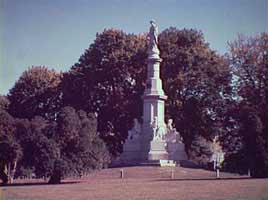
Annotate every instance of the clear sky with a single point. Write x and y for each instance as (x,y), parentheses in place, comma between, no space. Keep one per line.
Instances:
(55,33)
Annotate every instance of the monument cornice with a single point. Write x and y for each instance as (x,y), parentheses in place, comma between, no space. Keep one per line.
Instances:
(154,60)
(155,96)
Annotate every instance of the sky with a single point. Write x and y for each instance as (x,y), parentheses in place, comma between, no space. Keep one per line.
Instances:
(54,33)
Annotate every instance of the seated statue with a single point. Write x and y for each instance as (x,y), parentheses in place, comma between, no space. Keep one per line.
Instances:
(172,134)
(134,133)
(161,132)
(170,127)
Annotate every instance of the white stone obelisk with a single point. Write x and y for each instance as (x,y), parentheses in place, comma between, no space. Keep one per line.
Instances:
(154,127)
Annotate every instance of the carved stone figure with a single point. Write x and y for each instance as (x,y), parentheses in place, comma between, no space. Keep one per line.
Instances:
(161,132)
(134,133)
(170,127)
(153,34)
(153,42)
(172,134)
(154,126)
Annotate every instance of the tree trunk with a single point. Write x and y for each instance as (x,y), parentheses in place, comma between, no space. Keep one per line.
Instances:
(3,177)
(55,178)
(11,171)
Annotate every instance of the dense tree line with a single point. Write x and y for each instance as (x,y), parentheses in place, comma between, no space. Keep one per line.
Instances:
(69,145)
(57,124)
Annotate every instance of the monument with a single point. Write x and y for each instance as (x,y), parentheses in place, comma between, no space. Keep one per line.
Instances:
(153,139)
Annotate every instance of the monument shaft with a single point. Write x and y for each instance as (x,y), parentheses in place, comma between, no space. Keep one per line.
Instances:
(154,104)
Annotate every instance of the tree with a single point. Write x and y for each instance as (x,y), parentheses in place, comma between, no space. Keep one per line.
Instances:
(201,151)
(9,147)
(197,82)
(109,80)
(39,147)
(249,62)
(80,148)
(69,146)
(35,93)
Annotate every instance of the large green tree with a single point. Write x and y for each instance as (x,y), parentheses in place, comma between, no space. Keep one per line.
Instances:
(249,62)
(35,93)
(69,146)
(40,150)
(81,149)
(108,80)
(197,82)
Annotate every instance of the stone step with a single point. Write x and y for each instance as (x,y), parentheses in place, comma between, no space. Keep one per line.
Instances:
(150,163)
(162,163)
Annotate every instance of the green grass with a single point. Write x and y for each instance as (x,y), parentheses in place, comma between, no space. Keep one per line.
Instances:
(151,183)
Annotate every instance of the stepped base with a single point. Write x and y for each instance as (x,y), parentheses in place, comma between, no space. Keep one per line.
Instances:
(155,163)
(176,151)
(158,151)
(131,151)
(150,163)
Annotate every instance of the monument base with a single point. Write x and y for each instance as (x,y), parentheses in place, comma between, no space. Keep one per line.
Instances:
(131,151)
(158,150)
(176,151)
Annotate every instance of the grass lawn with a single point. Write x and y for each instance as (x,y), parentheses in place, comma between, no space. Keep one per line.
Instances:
(141,183)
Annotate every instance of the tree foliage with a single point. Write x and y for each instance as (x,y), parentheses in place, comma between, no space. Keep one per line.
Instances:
(4,102)
(249,62)
(35,93)
(108,80)
(200,151)
(39,147)
(80,147)
(10,149)
(196,81)
(69,146)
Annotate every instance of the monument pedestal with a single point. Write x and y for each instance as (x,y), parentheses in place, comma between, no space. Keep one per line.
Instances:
(131,151)
(176,151)
(158,150)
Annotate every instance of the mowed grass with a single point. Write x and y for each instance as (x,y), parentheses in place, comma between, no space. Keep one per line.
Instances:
(149,183)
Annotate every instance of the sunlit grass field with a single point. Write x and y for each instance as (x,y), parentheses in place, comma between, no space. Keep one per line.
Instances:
(141,183)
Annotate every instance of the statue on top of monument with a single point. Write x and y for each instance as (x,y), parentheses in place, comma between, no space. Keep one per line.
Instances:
(153,36)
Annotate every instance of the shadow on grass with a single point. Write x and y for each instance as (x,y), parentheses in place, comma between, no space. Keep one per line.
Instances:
(209,179)
(38,184)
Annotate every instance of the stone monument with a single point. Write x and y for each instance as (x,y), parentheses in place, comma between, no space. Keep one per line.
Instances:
(153,139)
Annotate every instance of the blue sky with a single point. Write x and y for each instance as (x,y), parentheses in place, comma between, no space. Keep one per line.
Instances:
(55,33)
